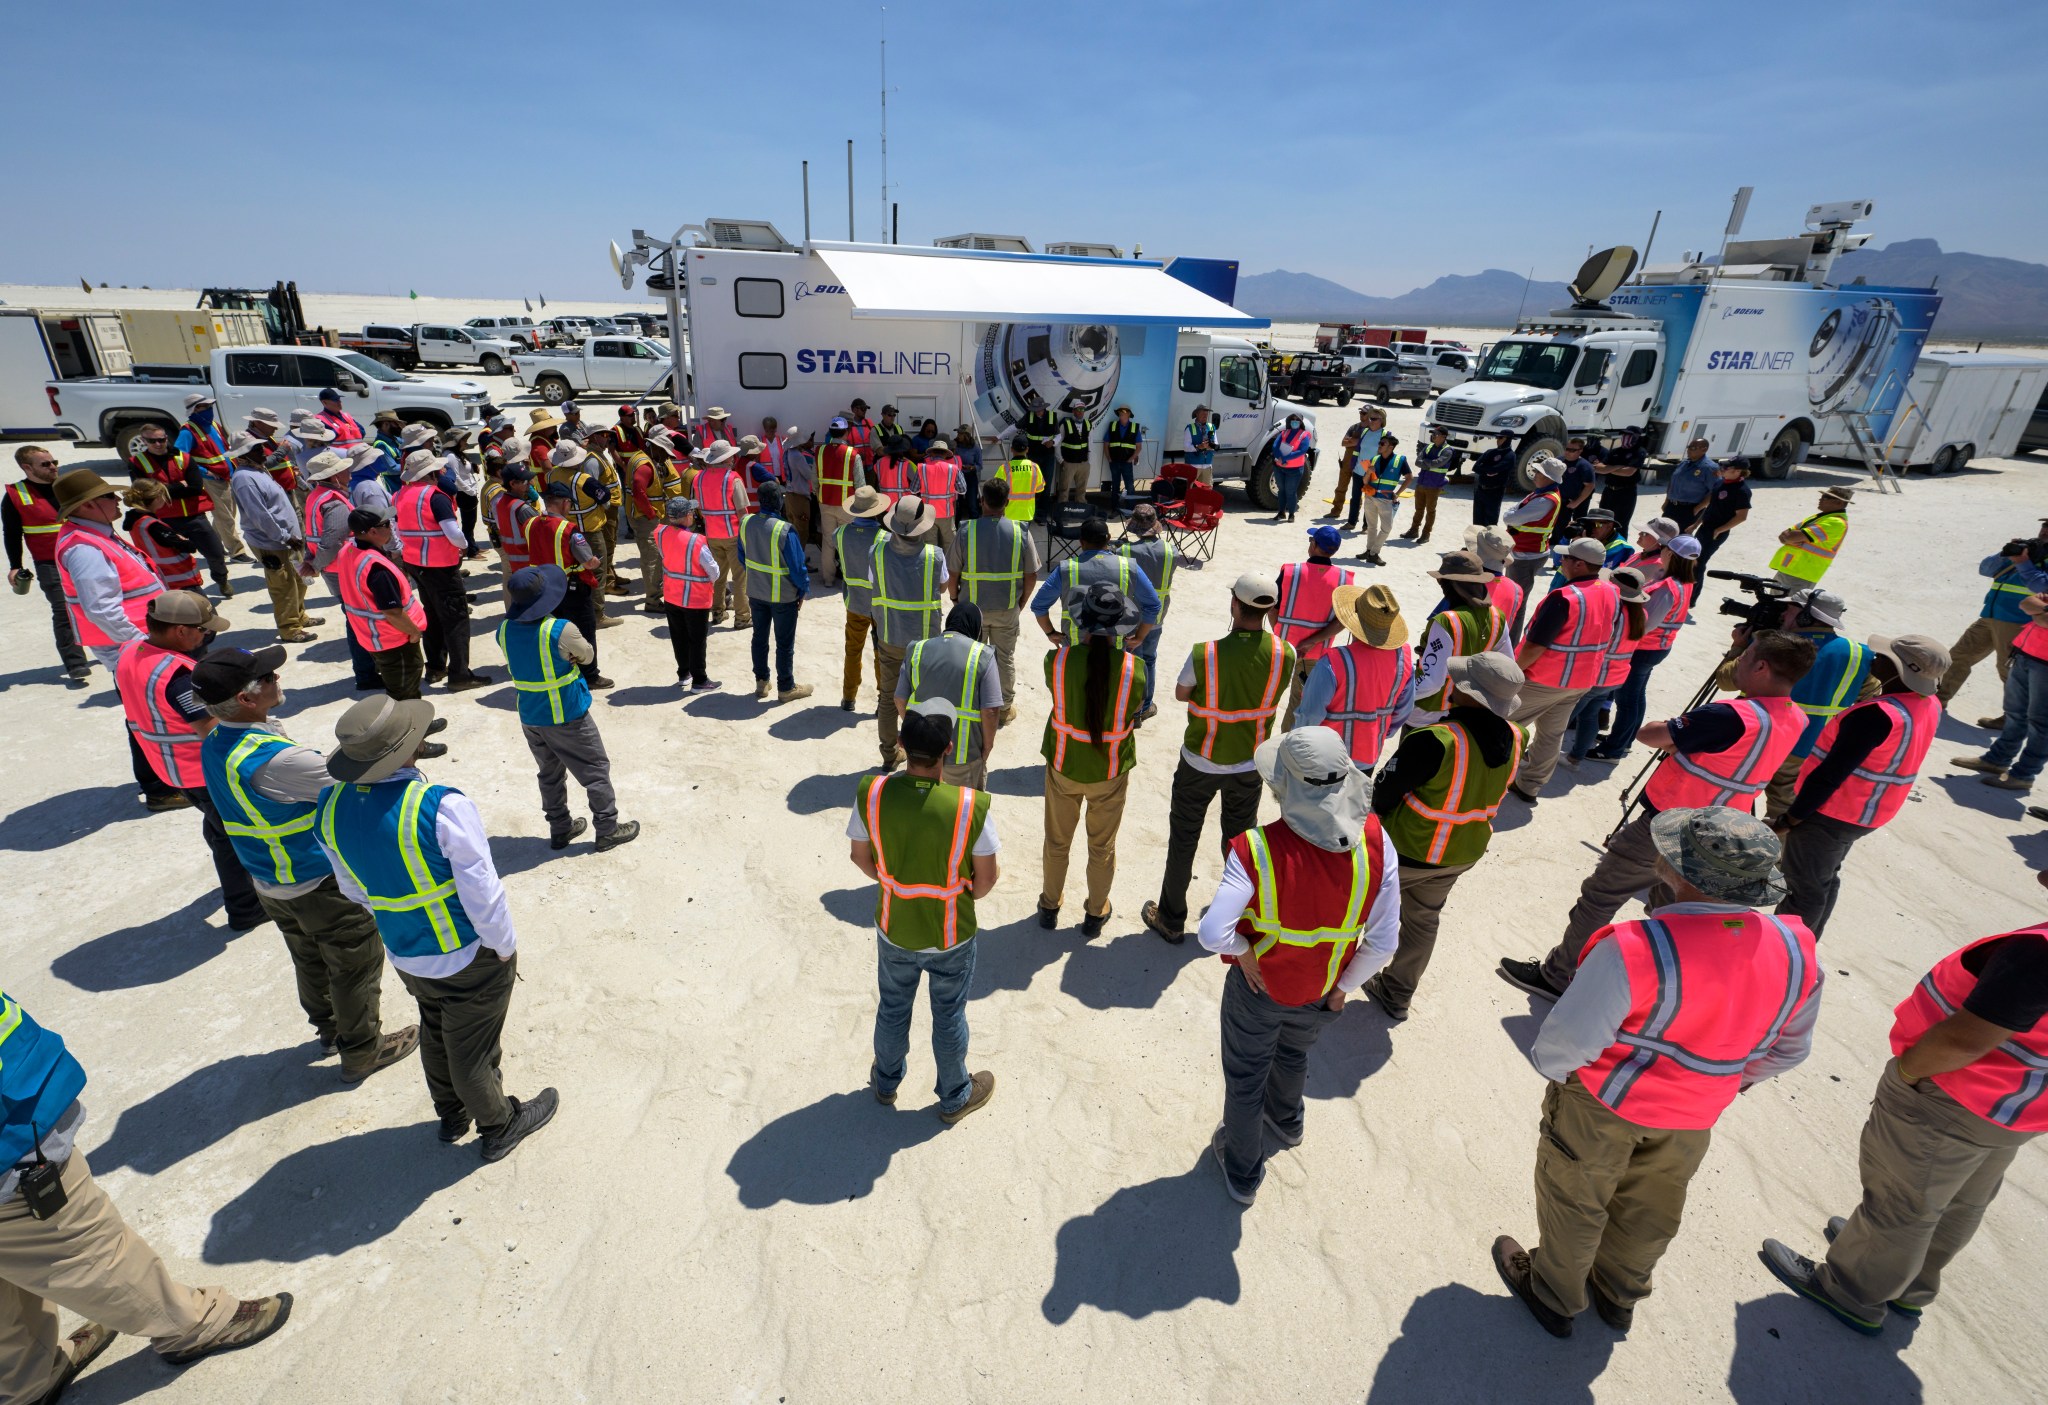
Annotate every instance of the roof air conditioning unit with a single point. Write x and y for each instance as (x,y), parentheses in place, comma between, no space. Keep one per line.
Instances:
(747,234)
(1085,250)
(995,243)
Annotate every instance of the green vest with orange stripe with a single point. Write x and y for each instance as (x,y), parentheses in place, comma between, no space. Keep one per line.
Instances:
(923,834)
(1448,819)
(1240,684)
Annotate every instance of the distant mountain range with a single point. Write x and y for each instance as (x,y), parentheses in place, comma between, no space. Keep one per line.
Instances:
(1981,296)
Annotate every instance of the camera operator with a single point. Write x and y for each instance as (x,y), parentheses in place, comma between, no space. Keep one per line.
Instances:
(1838,678)
(2015,571)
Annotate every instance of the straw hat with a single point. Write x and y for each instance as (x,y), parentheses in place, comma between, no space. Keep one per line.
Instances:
(378,736)
(543,419)
(79,486)
(1371,614)
(912,516)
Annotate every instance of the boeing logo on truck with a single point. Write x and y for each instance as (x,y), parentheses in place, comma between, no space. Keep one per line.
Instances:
(811,290)
(1749,360)
(1728,312)
(830,361)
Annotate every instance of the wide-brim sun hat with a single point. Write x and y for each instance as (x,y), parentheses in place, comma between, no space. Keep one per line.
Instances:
(534,591)
(1371,614)
(377,737)
(912,516)
(1728,855)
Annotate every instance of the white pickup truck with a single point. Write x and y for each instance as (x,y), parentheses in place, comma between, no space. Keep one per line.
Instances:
(629,366)
(113,410)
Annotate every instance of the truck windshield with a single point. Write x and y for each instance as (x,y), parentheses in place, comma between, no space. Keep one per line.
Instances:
(375,370)
(1544,365)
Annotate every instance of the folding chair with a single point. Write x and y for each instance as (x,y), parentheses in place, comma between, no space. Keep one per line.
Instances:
(1191,525)
(1063,532)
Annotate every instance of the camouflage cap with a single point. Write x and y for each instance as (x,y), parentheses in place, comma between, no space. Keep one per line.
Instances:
(1729,856)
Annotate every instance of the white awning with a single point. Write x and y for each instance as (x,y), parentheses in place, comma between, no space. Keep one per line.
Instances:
(950,285)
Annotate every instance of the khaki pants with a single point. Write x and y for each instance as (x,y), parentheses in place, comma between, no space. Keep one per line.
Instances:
(1377,514)
(1626,870)
(1931,1167)
(972,776)
(732,577)
(1073,482)
(1783,788)
(1977,643)
(1063,801)
(650,560)
(86,1259)
(888,668)
(1343,487)
(1609,1195)
(999,631)
(225,520)
(944,530)
(857,627)
(1302,670)
(797,508)
(1425,513)
(1424,891)
(830,520)
(607,545)
(287,590)
(1548,710)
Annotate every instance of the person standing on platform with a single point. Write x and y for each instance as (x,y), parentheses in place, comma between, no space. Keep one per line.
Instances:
(1364,688)
(1308,911)
(431,544)
(854,544)
(686,570)
(1075,450)
(1671,1018)
(909,574)
(1153,554)
(776,580)
(1234,688)
(957,666)
(1437,799)
(1198,443)
(1040,432)
(931,849)
(28,518)
(1090,746)
(1808,547)
(995,568)
(1122,438)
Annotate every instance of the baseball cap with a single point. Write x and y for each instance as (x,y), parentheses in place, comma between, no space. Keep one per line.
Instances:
(1325,539)
(1587,550)
(223,673)
(367,519)
(927,728)
(1921,661)
(1823,605)
(1256,590)
(182,607)
(1686,545)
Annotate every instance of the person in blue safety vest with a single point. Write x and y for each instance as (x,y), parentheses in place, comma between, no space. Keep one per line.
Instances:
(1838,679)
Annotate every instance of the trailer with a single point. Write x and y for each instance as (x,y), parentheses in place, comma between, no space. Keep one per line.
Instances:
(974,336)
(1960,405)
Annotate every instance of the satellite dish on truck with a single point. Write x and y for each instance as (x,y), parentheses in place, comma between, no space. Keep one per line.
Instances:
(621,267)
(1602,274)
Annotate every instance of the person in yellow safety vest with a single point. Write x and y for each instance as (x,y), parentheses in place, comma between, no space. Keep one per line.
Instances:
(995,565)
(1807,548)
(1437,798)
(1074,458)
(959,667)
(1024,479)
(1234,688)
(931,849)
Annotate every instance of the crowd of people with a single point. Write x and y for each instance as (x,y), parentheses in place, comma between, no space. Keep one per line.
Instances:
(1389,742)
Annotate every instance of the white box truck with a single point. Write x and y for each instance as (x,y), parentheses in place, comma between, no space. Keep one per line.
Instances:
(1962,405)
(971,336)
(1756,352)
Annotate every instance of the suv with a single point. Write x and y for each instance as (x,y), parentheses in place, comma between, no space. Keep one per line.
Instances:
(1388,380)
(518,330)
(1358,356)
(1313,377)
(1449,366)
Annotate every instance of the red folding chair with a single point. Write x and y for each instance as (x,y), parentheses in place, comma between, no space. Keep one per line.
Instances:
(1191,525)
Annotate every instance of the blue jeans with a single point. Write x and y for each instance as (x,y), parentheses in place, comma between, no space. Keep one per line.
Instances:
(783,618)
(1123,478)
(2022,748)
(360,661)
(1631,702)
(1287,481)
(1148,650)
(896,973)
(1584,725)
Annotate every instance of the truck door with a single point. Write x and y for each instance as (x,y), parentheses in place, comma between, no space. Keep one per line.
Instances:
(444,345)
(1636,394)
(1190,388)
(1240,391)
(1591,391)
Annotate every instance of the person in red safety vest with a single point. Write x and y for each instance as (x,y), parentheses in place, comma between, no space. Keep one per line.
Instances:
(1308,910)
(1364,688)
(1571,635)
(1966,1088)
(28,510)
(1306,618)
(1672,1016)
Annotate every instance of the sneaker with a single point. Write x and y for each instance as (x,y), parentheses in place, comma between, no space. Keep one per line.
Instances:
(176,800)
(605,621)
(1619,1316)
(796,694)
(1151,711)
(626,833)
(1835,1225)
(1512,1261)
(597,681)
(434,675)
(1281,1134)
(312,619)
(81,674)
(1375,560)
(527,1118)
(1149,915)
(1797,1272)
(1532,801)
(327,1046)
(80,1350)
(1091,923)
(576,827)
(1377,990)
(390,1049)
(1992,724)
(296,636)
(1528,975)
(439,724)
(227,592)
(2039,812)
(1977,763)
(981,1087)
(254,1319)
(2008,782)
(761,688)
(1242,1197)
(475,680)
(1009,714)
(454,1127)
(429,750)
(1605,758)
(705,685)
(1048,917)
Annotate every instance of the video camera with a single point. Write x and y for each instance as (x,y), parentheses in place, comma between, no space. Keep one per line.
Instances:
(1765,610)
(2035,547)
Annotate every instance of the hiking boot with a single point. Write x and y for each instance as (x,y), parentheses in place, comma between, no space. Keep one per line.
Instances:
(576,827)
(527,1118)
(1616,1315)
(296,636)
(2008,783)
(1977,763)
(1532,801)
(982,1087)
(176,800)
(1242,1197)
(626,833)
(434,675)
(80,1350)
(439,724)
(390,1049)
(705,685)
(429,750)
(1091,923)
(1376,988)
(1512,1260)
(306,620)
(846,704)
(1048,917)
(1149,915)
(1992,724)
(254,1319)
(605,621)
(474,680)
(887,1099)
(1528,975)
(227,592)
(1009,714)
(1151,711)
(81,674)
(761,688)
(454,1127)
(796,694)
(327,1046)
(1797,1272)
(597,681)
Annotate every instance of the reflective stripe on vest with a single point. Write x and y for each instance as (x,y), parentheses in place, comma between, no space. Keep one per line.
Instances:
(1664,635)
(971,574)
(138,580)
(1018,475)
(1214,716)
(1809,560)
(1306,588)
(554,547)
(1534,536)
(1113,736)
(1290,449)
(253,824)
(1455,623)
(426,897)
(175,468)
(352,577)
(967,725)
(1682,782)
(717,502)
(1876,790)
(169,741)
(208,450)
(1445,818)
(924,608)
(836,472)
(940,484)
(2006,1093)
(179,570)
(319,502)
(1364,729)
(892,888)
(1846,686)
(1070,597)
(1578,656)
(1387,474)
(1264,914)
(688,570)
(512,533)
(421,541)
(553,680)
(766,559)
(39,522)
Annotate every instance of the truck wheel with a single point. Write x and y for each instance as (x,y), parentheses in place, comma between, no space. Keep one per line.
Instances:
(1783,453)
(553,389)
(1541,443)
(1962,458)
(125,437)
(1944,460)
(1385,394)
(1343,398)
(492,364)
(1258,484)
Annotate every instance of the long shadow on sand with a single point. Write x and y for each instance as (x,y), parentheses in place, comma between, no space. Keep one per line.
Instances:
(832,1151)
(1011,957)
(815,795)
(1150,1248)
(212,1103)
(1356,1045)
(336,1196)
(50,824)
(816,723)
(1458,1343)
(1790,1352)
(148,954)
(1129,973)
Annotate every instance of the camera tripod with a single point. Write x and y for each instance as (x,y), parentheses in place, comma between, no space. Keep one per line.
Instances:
(1632,793)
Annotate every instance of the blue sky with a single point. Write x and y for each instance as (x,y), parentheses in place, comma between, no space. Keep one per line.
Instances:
(475,149)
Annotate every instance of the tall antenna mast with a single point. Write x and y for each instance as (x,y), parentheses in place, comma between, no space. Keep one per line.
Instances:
(885,123)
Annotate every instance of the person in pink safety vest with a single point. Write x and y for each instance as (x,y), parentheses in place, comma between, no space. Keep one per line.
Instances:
(1305,617)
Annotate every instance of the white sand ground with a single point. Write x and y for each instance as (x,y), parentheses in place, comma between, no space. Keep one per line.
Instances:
(720,1212)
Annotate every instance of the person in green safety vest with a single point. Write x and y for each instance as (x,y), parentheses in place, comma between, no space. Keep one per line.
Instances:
(931,849)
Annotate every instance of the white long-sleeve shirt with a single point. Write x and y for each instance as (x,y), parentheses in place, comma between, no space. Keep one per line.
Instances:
(98,584)
(1433,658)
(459,830)
(1377,939)
(1588,1017)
